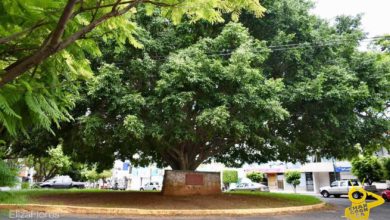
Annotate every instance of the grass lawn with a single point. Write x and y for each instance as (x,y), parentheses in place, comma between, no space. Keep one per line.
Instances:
(154,200)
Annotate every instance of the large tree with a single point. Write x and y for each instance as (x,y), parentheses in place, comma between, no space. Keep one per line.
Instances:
(44,45)
(203,104)
(195,92)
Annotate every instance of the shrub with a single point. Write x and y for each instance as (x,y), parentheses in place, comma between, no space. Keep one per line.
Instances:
(25,185)
(256,177)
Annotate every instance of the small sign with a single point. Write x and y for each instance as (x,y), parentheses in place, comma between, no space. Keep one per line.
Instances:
(343,169)
(126,166)
(194,179)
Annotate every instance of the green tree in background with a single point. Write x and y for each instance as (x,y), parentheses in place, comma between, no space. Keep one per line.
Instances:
(92,175)
(7,175)
(386,167)
(293,178)
(384,43)
(336,95)
(229,176)
(55,163)
(367,168)
(255,177)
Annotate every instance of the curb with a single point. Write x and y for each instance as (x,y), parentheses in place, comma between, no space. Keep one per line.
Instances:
(62,209)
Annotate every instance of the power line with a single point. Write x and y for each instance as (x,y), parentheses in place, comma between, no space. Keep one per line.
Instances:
(286,47)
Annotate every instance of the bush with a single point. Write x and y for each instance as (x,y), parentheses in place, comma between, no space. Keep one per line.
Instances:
(229,176)
(25,185)
(8,175)
(256,177)
(293,178)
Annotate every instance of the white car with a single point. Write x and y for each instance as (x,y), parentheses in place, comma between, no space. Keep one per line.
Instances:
(338,188)
(342,187)
(250,187)
(151,186)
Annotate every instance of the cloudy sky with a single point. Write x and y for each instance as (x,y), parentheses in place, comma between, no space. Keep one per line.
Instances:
(376,13)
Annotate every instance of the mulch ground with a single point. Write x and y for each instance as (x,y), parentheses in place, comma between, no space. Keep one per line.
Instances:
(146,200)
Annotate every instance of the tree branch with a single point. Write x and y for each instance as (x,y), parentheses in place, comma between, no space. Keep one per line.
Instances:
(15,36)
(59,31)
(19,67)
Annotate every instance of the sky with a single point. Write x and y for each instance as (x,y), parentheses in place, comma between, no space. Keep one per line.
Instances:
(376,13)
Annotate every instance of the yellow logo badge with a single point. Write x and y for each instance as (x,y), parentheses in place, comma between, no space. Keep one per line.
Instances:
(360,209)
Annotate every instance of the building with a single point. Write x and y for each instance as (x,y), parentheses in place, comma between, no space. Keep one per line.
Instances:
(132,177)
(314,175)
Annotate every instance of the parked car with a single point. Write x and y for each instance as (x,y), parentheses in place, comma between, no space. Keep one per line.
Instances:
(341,187)
(151,186)
(61,182)
(386,194)
(250,187)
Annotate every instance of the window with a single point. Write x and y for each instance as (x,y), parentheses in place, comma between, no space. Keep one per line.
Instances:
(343,184)
(151,184)
(334,184)
(334,177)
(309,182)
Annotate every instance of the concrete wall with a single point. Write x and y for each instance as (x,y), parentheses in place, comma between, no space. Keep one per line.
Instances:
(179,183)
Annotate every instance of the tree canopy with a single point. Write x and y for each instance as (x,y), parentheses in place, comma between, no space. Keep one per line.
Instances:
(293,178)
(236,94)
(255,177)
(368,168)
(55,163)
(45,44)
(229,176)
(282,87)
(202,104)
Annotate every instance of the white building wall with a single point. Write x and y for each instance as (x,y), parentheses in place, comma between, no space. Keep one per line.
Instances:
(316,182)
(322,179)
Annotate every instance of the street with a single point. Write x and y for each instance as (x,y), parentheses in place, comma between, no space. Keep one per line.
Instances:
(379,213)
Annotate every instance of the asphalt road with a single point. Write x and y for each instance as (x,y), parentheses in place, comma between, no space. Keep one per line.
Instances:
(339,204)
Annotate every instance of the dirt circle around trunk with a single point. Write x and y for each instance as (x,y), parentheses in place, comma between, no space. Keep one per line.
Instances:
(156,204)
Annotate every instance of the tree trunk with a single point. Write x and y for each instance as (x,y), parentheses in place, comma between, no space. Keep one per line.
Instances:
(181,160)
(183,179)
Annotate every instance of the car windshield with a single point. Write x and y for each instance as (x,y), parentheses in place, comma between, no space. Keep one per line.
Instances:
(353,183)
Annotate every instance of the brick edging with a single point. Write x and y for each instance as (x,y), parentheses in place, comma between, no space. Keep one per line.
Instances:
(62,209)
